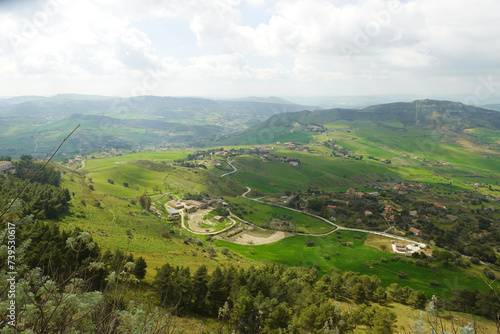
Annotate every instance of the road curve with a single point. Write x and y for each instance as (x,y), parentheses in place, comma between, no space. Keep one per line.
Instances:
(231,172)
(338,227)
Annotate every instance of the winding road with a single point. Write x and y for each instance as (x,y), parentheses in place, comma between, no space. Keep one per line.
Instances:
(338,227)
(231,172)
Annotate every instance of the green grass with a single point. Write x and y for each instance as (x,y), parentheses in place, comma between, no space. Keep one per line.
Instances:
(262,213)
(108,224)
(293,251)
(99,164)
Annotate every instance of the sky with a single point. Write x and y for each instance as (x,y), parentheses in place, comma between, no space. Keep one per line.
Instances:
(250,47)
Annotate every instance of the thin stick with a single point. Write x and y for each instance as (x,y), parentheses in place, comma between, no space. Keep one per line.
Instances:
(35,175)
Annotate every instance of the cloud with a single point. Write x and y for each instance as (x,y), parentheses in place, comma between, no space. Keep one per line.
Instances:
(321,43)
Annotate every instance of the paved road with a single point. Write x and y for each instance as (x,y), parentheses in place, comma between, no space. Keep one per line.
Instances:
(338,227)
(230,164)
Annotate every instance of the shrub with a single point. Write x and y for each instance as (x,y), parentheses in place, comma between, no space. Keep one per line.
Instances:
(211,251)
(225,250)
(402,275)
(309,243)
(474,260)
(433,283)
(125,184)
(111,181)
(375,263)
(489,273)
(383,259)
(326,257)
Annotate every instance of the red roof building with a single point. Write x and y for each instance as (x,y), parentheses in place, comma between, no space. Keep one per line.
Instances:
(415,231)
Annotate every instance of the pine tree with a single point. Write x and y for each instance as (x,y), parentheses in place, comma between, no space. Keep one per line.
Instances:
(200,289)
(140,268)
(217,292)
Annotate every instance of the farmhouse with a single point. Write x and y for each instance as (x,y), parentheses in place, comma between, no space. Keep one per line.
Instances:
(175,204)
(196,204)
(350,191)
(368,213)
(219,219)
(415,231)
(5,165)
(173,212)
(190,208)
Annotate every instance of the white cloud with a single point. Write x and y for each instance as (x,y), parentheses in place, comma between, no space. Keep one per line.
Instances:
(321,43)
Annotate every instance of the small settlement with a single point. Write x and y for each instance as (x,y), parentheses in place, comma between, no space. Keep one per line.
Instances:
(189,206)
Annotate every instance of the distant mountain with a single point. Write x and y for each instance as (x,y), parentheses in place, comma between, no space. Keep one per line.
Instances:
(227,113)
(30,124)
(271,99)
(448,115)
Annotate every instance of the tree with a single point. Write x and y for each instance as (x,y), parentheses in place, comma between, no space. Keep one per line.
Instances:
(140,268)
(383,321)
(417,300)
(145,201)
(200,289)
(279,318)
(217,292)
(244,315)
(380,296)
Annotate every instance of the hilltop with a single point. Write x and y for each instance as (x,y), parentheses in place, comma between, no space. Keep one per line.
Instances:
(29,123)
(429,114)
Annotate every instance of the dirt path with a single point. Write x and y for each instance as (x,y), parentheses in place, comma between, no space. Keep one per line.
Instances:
(246,238)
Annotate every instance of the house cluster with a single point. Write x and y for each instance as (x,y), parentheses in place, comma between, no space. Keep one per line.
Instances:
(405,248)
(353,192)
(5,166)
(190,206)
(400,188)
(76,160)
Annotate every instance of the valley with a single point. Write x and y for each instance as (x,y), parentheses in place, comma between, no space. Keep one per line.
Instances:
(328,191)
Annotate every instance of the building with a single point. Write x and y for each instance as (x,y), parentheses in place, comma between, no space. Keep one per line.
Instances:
(368,213)
(5,165)
(190,208)
(219,219)
(173,212)
(350,191)
(401,247)
(197,204)
(175,204)
(415,231)
(293,163)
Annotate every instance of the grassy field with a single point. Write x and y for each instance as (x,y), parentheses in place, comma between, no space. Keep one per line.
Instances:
(108,218)
(315,171)
(168,156)
(259,214)
(143,175)
(359,258)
